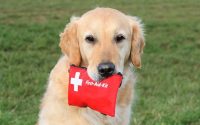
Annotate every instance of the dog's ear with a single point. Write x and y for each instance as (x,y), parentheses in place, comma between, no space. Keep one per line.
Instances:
(137,42)
(69,42)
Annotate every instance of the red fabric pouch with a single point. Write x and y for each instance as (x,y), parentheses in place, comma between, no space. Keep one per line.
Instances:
(85,92)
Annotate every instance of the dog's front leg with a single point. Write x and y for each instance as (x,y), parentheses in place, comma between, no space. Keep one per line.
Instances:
(55,110)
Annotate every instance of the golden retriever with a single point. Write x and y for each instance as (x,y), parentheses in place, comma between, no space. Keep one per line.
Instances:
(105,41)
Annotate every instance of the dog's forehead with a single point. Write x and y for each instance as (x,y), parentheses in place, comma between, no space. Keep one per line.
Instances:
(103,12)
(103,15)
(104,18)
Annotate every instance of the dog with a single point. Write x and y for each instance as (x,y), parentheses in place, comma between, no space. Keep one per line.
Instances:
(106,41)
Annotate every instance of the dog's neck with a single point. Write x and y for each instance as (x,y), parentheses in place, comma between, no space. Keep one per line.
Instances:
(127,74)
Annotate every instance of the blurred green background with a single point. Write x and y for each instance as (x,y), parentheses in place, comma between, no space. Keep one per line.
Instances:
(168,87)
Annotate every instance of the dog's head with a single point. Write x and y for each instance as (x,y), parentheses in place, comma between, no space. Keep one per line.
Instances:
(103,40)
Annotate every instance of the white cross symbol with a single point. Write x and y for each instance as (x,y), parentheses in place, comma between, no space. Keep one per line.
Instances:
(76,81)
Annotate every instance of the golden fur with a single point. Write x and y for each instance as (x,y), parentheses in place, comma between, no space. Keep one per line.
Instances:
(103,23)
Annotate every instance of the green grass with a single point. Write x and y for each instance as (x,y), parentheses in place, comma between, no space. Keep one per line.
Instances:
(168,87)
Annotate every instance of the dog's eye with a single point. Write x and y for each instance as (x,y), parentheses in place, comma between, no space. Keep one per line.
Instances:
(119,38)
(90,39)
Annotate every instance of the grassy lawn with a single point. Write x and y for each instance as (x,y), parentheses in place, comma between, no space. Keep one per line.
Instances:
(168,87)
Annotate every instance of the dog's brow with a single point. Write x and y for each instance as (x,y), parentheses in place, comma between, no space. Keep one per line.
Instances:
(89,33)
(121,32)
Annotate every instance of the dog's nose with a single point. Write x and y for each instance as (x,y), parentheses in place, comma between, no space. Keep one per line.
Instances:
(106,69)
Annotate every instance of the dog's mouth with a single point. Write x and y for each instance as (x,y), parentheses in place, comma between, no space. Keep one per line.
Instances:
(98,77)
(102,71)
(95,76)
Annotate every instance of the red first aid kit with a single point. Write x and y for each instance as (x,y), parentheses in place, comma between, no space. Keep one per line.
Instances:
(85,92)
